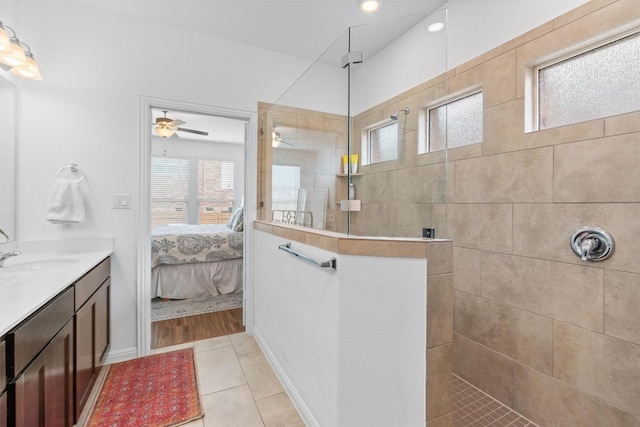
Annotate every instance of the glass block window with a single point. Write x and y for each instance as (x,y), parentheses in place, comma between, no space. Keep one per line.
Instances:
(383,143)
(456,123)
(601,82)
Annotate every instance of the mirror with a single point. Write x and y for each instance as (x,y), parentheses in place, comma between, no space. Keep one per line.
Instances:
(7,161)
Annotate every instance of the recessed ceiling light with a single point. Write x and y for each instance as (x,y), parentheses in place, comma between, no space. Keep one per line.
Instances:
(369,6)
(435,27)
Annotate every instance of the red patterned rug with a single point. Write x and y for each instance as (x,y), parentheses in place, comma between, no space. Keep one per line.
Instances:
(154,391)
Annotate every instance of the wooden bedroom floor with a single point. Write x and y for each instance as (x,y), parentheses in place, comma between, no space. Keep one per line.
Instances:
(195,328)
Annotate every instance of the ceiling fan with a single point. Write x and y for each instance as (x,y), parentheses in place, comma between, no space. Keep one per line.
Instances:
(167,128)
(276,140)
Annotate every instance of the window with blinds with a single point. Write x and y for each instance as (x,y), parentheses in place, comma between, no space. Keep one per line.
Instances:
(190,191)
(285,182)
(215,191)
(169,191)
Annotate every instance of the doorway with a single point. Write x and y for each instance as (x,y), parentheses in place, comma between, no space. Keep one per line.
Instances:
(194,183)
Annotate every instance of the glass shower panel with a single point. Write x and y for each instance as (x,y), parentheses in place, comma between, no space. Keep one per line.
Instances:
(315,140)
(302,140)
(404,61)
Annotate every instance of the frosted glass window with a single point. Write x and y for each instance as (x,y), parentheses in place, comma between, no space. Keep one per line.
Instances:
(598,83)
(456,123)
(383,143)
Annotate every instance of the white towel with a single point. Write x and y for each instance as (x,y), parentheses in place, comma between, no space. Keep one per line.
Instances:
(65,202)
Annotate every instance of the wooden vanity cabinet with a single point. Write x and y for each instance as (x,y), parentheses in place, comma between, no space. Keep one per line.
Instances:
(92,319)
(54,356)
(40,366)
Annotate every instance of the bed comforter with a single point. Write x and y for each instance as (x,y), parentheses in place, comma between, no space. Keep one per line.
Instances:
(188,244)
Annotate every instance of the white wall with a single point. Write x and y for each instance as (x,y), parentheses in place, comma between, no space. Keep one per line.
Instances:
(96,66)
(349,344)
(473,27)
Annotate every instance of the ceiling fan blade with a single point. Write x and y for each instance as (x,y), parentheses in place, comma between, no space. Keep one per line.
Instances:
(175,123)
(199,132)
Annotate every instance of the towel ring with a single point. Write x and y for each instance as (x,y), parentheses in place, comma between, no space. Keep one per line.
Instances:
(73,167)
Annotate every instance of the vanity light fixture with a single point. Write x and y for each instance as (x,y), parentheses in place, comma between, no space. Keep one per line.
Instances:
(5,40)
(369,6)
(28,70)
(14,55)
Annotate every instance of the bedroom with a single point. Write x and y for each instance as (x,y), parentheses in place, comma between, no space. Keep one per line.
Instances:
(196,217)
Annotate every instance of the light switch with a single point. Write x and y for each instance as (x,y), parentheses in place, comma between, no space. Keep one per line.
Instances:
(121,201)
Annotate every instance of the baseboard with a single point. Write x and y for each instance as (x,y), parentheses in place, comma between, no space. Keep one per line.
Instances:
(291,390)
(120,355)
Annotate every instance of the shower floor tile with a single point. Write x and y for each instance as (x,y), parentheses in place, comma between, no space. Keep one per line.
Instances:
(472,407)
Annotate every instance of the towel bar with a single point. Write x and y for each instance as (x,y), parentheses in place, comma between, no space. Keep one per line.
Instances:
(322,264)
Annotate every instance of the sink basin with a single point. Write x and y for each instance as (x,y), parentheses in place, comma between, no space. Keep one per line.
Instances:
(38,265)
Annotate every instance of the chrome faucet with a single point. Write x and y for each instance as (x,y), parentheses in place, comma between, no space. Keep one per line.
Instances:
(4,256)
(587,247)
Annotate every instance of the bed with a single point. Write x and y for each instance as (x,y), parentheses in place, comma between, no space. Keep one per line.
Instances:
(190,261)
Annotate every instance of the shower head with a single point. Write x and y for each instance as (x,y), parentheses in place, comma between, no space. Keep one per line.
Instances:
(394,116)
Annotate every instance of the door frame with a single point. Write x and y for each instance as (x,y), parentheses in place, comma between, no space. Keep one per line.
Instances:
(143,220)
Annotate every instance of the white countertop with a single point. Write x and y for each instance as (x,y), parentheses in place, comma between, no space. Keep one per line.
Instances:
(30,280)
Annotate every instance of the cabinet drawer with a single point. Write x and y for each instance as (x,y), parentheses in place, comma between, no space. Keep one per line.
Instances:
(3,366)
(30,337)
(90,282)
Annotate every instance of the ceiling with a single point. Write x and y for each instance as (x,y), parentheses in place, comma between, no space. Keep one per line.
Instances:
(221,129)
(303,28)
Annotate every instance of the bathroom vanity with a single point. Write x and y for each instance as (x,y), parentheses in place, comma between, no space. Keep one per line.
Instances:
(54,329)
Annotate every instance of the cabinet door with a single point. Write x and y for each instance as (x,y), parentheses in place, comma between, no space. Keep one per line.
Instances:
(92,342)
(42,394)
(103,321)
(3,410)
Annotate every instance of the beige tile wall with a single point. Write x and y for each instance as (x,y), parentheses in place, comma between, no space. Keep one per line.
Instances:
(553,337)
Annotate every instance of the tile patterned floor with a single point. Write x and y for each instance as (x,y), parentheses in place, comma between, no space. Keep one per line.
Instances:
(238,386)
(471,407)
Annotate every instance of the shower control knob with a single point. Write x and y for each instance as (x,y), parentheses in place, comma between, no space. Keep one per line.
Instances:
(592,244)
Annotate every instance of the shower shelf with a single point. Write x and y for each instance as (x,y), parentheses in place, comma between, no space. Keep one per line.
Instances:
(341,175)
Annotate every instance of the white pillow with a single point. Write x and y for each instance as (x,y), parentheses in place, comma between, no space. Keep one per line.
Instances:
(238,220)
(233,218)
